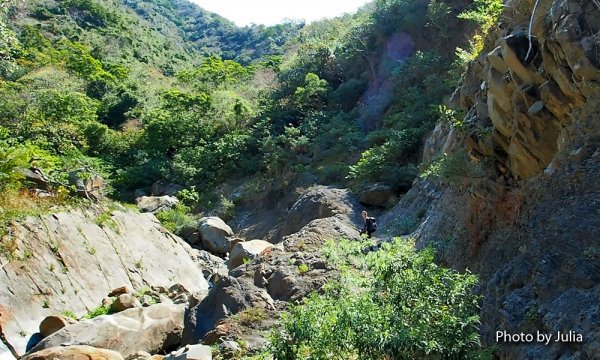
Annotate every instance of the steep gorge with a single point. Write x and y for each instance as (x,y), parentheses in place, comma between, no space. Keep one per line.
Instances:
(515,198)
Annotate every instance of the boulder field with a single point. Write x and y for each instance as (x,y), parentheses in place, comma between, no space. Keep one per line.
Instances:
(114,271)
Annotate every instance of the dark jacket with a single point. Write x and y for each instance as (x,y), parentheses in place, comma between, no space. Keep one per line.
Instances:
(369,226)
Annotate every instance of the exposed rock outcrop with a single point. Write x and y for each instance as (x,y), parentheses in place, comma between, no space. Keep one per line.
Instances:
(317,202)
(278,275)
(70,261)
(526,99)
(529,224)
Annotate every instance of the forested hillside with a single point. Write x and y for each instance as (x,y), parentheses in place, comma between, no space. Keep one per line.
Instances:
(125,89)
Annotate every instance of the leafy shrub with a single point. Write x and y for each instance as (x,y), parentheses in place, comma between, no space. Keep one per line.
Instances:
(410,308)
(250,316)
(69,314)
(454,167)
(105,220)
(226,209)
(389,162)
(99,311)
(177,220)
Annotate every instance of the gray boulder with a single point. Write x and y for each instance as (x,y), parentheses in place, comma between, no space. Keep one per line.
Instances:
(216,235)
(229,296)
(378,195)
(153,329)
(317,202)
(248,250)
(162,188)
(153,204)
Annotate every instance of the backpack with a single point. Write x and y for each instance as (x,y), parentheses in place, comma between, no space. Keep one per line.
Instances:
(371,224)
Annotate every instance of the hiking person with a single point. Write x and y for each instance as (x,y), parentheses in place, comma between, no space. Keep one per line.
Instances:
(370,224)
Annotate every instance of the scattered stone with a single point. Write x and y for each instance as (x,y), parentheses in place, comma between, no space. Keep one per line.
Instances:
(43,194)
(124,302)
(281,285)
(53,323)
(536,107)
(154,204)
(35,176)
(159,290)
(245,251)
(147,300)
(177,289)
(230,347)
(181,299)
(216,235)
(119,291)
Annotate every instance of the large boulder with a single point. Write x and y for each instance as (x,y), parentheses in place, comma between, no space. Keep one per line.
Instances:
(216,235)
(124,302)
(318,202)
(162,188)
(53,323)
(248,250)
(74,352)
(153,329)
(153,204)
(378,195)
(229,296)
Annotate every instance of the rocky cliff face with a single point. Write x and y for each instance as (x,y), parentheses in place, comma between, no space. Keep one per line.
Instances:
(70,261)
(529,222)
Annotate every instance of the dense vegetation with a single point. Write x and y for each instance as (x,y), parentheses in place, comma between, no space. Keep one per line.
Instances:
(130,94)
(391,304)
